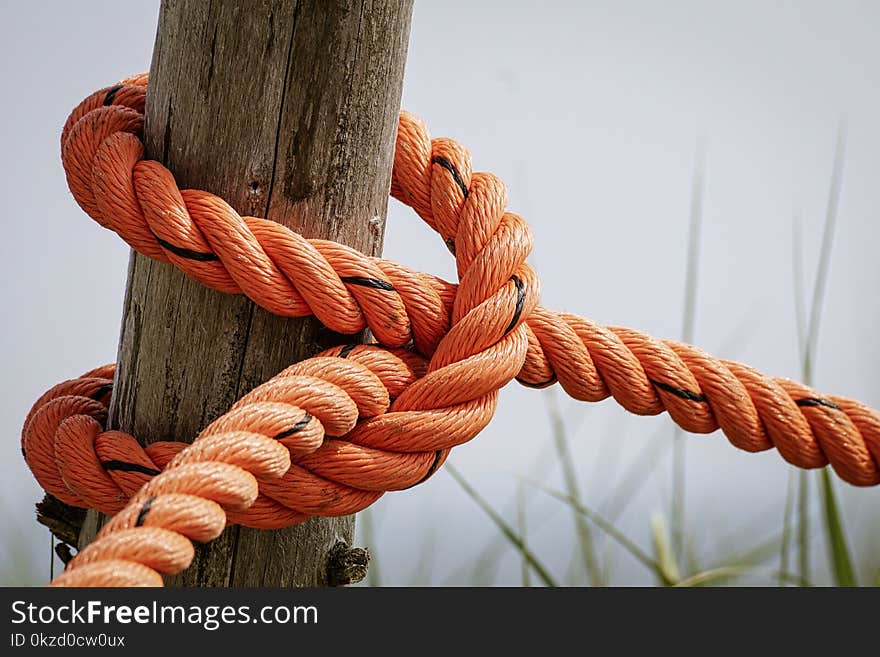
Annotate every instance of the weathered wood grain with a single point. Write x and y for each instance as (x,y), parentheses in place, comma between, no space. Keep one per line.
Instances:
(287,110)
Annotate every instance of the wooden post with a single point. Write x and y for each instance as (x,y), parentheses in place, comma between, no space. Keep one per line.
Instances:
(288,110)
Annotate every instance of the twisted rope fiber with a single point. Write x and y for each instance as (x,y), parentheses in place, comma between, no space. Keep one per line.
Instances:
(329,435)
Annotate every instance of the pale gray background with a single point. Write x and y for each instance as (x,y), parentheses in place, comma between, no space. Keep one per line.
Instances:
(592,112)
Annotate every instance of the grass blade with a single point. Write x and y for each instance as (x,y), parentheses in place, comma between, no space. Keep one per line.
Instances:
(585,539)
(490,554)
(607,527)
(838,548)
(677,512)
(521,525)
(803,541)
(844,574)
(663,550)
(724,573)
(756,555)
(484,569)
(636,475)
(505,529)
(797,260)
(422,574)
(786,526)
(820,285)
(803,488)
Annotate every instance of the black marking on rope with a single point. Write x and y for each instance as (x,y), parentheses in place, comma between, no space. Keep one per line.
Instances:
(145,509)
(189,254)
(456,176)
(520,301)
(299,426)
(368,282)
(817,401)
(432,469)
(679,392)
(111,94)
(542,384)
(103,390)
(347,349)
(125,466)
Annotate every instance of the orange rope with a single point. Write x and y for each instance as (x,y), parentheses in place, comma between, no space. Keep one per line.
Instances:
(329,435)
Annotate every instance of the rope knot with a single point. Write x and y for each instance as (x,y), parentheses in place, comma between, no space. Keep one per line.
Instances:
(328,436)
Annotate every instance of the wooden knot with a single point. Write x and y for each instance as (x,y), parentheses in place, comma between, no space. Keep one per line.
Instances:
(346,565)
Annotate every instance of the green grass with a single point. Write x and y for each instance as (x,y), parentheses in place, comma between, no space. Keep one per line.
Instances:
(525,567)
(610,529)
(785,543)
(509,533)
(808,338)
(566,462)
(688,326)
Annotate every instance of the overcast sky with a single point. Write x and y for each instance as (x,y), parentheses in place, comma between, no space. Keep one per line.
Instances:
(593,113)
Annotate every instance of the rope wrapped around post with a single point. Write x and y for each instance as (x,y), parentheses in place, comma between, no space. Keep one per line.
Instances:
(329,435)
